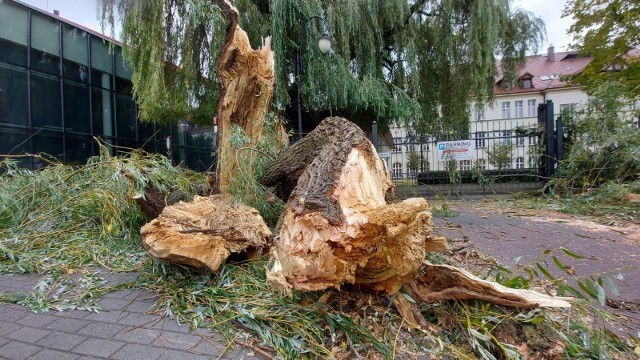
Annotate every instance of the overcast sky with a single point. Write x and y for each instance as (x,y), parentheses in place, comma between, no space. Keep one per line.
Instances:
(84,12)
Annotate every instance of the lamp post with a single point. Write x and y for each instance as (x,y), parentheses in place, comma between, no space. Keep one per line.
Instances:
(324,44)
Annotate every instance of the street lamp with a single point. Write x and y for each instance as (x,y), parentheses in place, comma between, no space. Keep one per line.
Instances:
(324,44)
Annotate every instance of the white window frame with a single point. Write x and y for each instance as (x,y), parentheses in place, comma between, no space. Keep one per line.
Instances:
(479,115)
(518,109)
(480,139)
(397,170)
(506,110)
(482,164)
(520,162)
(531,108)
(465,165)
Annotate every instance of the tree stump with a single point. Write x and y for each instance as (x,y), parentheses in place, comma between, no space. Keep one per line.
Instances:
(205,232)
(337,227)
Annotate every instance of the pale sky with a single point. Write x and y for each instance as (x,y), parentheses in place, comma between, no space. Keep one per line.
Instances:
(84,13)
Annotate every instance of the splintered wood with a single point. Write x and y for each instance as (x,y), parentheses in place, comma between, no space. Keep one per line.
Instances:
(205,232)
(337,227)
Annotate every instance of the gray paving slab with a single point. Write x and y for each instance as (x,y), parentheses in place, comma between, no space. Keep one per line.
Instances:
(28,334)
(36,320)
(18,350)
(138,335)
(107,316)
(8,327)
(182,355)
(62,341)
(67,325)
(136,319)
(14,312)
(178,341)
(138,352)
(98,347)
(3,341)
(49,354)
(102,330)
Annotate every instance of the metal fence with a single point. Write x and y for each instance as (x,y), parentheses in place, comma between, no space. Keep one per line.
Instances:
(507,155)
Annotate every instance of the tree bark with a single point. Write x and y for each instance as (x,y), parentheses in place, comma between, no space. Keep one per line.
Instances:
(246,78)
(205,232)
(337,227)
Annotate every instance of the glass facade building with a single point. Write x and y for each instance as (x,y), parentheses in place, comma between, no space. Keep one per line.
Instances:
(61,85)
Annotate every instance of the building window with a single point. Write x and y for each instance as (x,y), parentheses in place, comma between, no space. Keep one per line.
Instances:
(13,33)
(465,165)
(479,115)
(533,162)
(14,105)
(520,141)
(533,140)
(46,108)
(531,108)
(519,162)
(518,108)
(506,136)
(526,84)
(75,47)
(482,164)
(506,110)
(45,44)
(566,107)
(397,170)
(411,148)
(480,139)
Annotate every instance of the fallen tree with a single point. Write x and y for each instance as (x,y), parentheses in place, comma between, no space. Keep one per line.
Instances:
(339,226)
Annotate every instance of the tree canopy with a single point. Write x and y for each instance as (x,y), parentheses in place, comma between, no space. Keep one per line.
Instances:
(607,30)
(416,62)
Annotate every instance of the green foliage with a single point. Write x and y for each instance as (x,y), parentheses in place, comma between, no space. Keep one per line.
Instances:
(63,215)
(417,162)
(501,154)
(245,187)
(607,31)
(392,60)
(602,143)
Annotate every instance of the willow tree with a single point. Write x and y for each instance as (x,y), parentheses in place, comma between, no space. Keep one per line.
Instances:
(412,62)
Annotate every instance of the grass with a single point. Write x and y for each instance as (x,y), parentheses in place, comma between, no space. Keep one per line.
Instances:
(69,225)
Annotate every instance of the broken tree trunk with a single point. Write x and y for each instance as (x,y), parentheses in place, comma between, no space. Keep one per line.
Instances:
(246,78)
(337,227)
(444,282)
(204,232)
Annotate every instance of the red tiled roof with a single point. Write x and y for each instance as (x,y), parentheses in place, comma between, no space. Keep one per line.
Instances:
(545,74)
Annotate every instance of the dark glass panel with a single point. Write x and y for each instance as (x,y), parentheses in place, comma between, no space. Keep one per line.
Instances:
(102,116)
(14,141)
(45,44)
(123,69)
(77,150)
(125,147)
(14,106)
(45,62)
(50,144)
(126,117)
(45,101)
(77,112)
(100,79)
(13,53)
(146,132)
(124,86)
(13,33)
(75,71)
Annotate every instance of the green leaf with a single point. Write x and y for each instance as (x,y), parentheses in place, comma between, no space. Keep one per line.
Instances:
(571,254)
(602,297)
(612,286)
(587,286)
(559,264)
(545,272)
(547,252)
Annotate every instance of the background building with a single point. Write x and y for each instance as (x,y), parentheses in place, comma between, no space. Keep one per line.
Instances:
(505,132)
(62,84)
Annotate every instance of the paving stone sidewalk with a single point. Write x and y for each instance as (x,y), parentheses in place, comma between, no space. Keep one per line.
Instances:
(509,236)
(123,332)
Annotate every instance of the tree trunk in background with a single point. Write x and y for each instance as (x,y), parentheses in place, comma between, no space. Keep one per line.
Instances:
(246,79)
(337,227)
